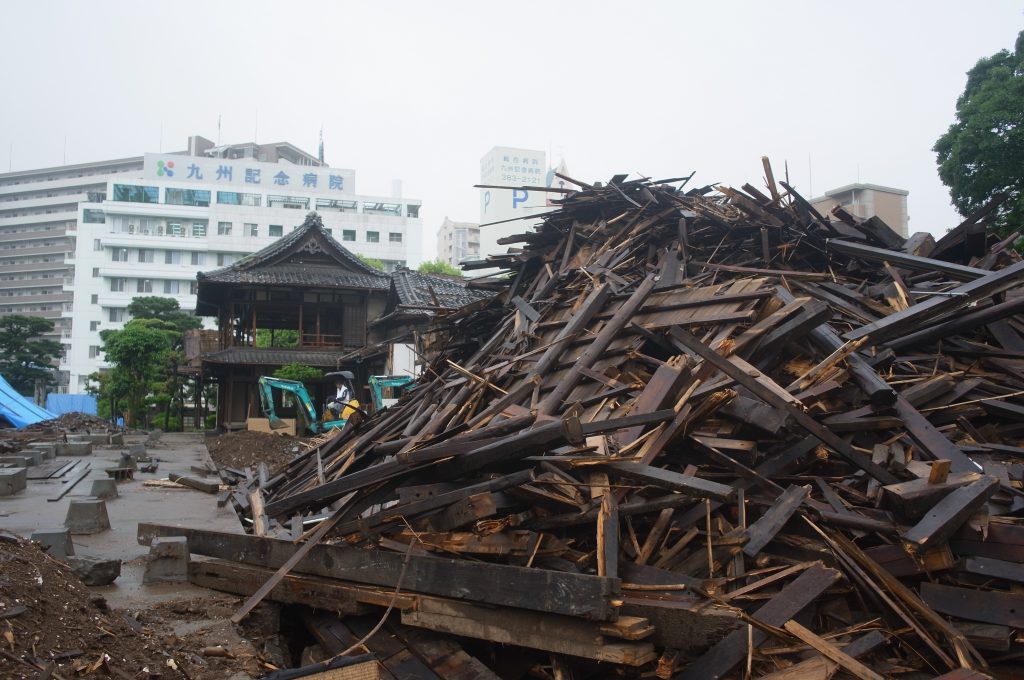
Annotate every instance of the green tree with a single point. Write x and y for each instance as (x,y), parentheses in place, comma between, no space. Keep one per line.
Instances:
(279,337)
(982,153)
(25,357)
(439,267)
(300,372)
(139,354)
(372,261)
(163,309)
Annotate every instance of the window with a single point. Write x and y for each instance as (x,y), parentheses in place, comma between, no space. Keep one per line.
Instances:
(224,259)
(198,258)
(145,254)
(116,314)
(144,286)
(93,216)
(119,255)
(252,229)
(237,198)
(171,287)
(172,257)
(275,230)
(373,237)
(94,351)
(335,204)
(198,229)
(348,234)
(193,287)
(223,229)
(394,237)
(131,193)
(199,197)
(94,325)
(94,299)
(117,285)
(412,211)
(95,272)
(174,229)
(96,245)
(296,202)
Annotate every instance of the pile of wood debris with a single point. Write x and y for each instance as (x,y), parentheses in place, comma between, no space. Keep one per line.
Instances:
(700,433)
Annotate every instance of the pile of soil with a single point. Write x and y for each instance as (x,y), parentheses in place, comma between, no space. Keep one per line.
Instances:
(74,421)
(48,615)
(246,448)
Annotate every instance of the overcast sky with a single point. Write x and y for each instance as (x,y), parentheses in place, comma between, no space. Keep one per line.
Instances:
(419,91)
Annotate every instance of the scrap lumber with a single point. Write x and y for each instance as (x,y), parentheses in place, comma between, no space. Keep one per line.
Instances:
(678,401)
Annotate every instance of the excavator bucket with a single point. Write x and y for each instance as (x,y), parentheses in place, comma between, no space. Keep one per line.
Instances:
(277,424)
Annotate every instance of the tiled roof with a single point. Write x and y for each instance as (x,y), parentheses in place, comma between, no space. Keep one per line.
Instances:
(308,255)
(268,356)
(429,290)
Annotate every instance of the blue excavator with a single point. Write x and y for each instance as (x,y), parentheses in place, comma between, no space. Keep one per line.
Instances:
(386,390)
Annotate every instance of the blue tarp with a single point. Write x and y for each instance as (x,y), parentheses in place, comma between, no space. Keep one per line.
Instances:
(18,410)
(59,404)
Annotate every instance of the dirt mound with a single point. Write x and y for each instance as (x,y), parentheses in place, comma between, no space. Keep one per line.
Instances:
(74,421)
(49,615)
(247,448)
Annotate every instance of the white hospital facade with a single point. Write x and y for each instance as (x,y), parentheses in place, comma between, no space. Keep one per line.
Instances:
(151,232)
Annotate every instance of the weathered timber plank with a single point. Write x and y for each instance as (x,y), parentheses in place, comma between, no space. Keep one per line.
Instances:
(723,656)
(534,589)
(666,479)
(560,634)
(987,606)
(950,513)
(992,568)
(770,523)
(831,651)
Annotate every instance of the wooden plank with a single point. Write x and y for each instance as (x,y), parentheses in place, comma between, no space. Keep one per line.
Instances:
(907,261)
(821,668)
(898,562)
(812,426)
(193,483)
(608,537)
(916,497)
(949,514)
(831,651)
(537,590)
(992,568)
(931,440)
(562,635)
(987,606)
(71,483)
(770,523)
(666,479)
(723,656)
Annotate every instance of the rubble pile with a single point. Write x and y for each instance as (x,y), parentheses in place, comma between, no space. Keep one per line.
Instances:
(699,433)
(74,421)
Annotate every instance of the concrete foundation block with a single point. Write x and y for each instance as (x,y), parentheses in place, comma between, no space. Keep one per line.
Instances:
(137,451)
(127,461)
(57,541)
(103,488)
(99,438)
(48,449)
(13,480)
(35,456)
(87,516)
(94,571)
(167,560)
(117,439)
(17,460)
(74,449)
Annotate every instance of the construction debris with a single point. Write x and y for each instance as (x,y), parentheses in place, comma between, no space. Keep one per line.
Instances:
(698,433)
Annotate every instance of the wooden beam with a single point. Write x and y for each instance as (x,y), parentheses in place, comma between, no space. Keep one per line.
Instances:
(987,606)
(949,514)
(829,650)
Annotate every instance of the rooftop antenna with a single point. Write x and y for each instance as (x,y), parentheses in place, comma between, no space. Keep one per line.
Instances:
(218,129)
(321,143)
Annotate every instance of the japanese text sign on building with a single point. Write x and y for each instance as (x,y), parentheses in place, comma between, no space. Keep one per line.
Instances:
(248,172)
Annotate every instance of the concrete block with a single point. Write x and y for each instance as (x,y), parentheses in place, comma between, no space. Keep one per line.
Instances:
(87,516)
(167,560)
(57,541)
(74,449)
(48,449)
(127,461)
(117,439)
(12,480)
(94,571)
(103,488)
(137,450)
(17,460)
(101,438)
(35,456)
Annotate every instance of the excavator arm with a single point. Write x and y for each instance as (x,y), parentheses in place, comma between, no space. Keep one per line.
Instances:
(268,384)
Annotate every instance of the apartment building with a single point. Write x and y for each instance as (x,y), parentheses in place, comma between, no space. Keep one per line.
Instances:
(458,242)
(869,200)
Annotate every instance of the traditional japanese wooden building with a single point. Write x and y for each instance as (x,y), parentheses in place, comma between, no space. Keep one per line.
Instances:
(305,299)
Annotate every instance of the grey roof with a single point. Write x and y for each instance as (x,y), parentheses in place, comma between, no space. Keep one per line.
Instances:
(269,356)
(430,290)
(308,256)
